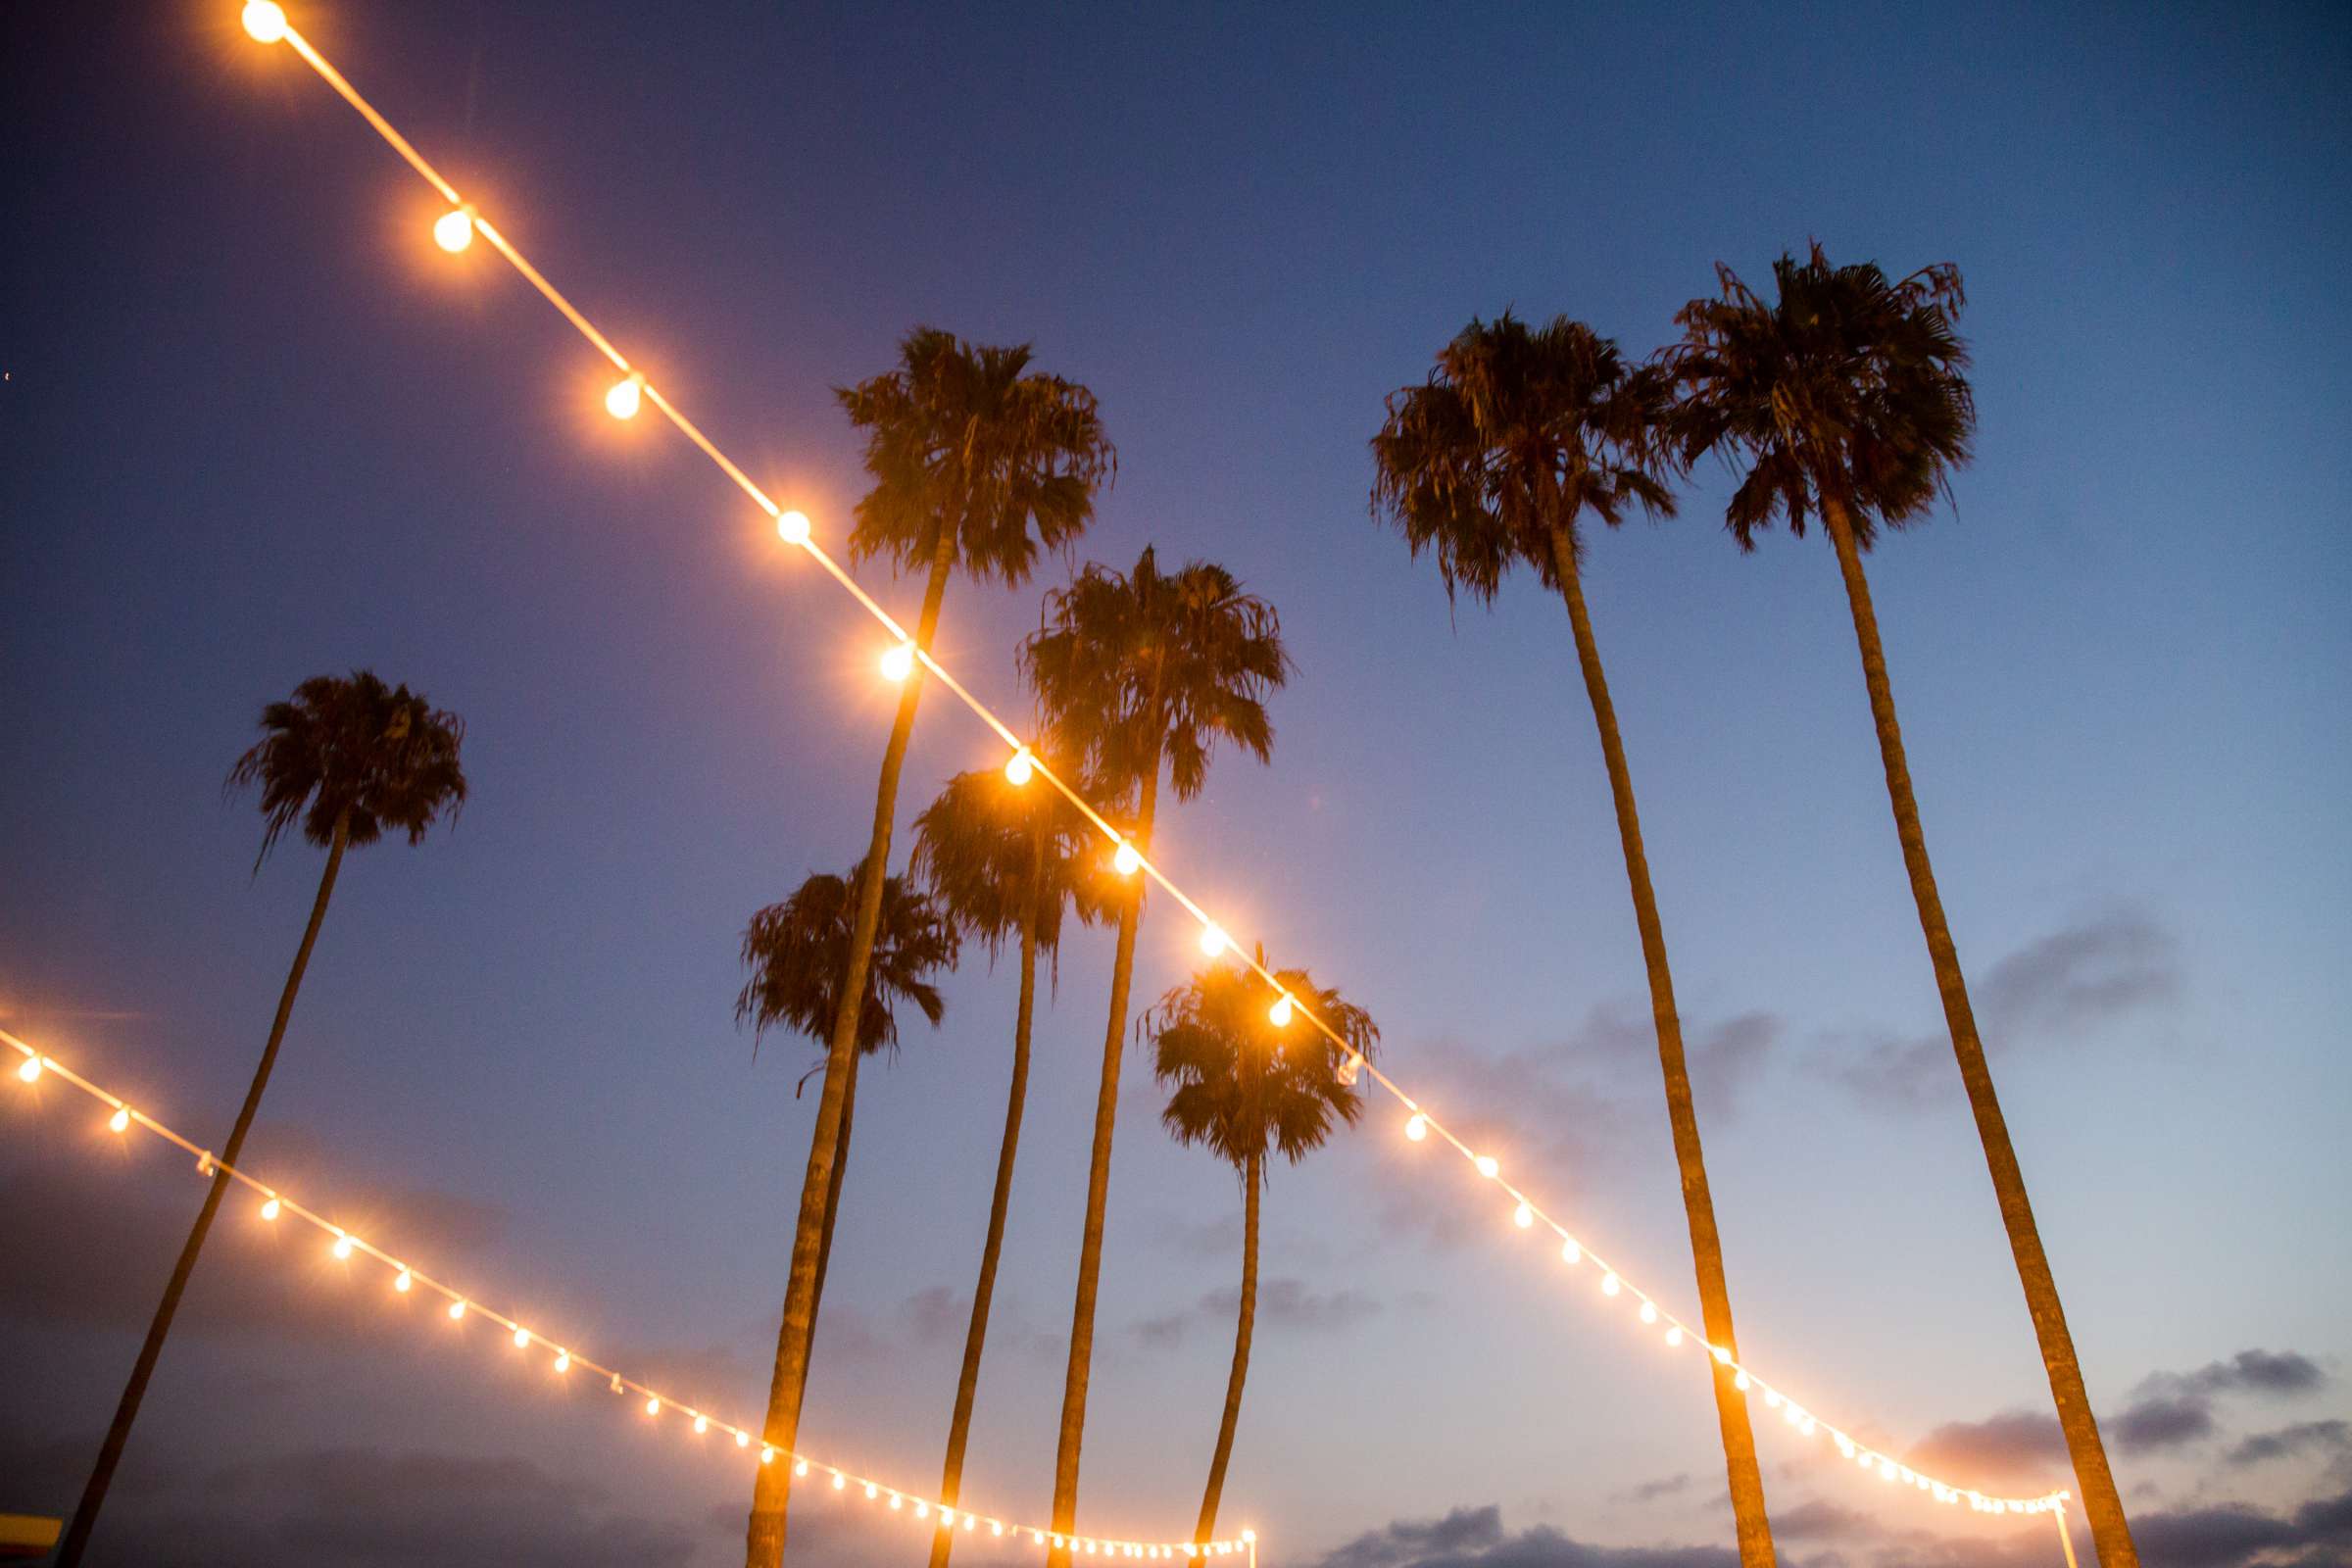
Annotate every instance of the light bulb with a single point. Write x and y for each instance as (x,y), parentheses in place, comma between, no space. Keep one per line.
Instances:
(1416,1127)
(1723,1355)
(265,21)
(402,1281)
(456,1309)
(1212,941)
(1609,1285)
(563,1360)
(793,527)
(743,1440)
(701,1423)
(522,1338)
(1019,767)
(969,1521)
(1649,1313)
(1279,1014)
(270,1209)
(871,1492)
(615,1383)
(1570,1252)
(1674,1336)
(1124,859)
(204,1163)
(627,397)
(1739,1380)
(120,1121)
(896,1502)
(1522,1217)
(800,1467)
(453,230)
(653,1404)
(1248,1534)
(30,1070)
(1488,1166)
(342,1247)
(899,662)
(996,1526)
(1772,1398)
(839,1480)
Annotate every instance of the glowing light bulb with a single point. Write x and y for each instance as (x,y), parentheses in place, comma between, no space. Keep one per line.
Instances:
(653,1404)
(120,1121)
(899,662)
(923,1510)
(270,1209)
(563,1360)
(1723,1355)
(1674,1336)
(1569,1251)
(1649,1313)
(793,527)
(30,1070)
(1417,1127)
(701,1423)
(453,230)
(1739,1380)
(1609,1285)
(342,1247)
(969,1521)
(1019,767)
(743,1440)
(265,21)
(1772,1398)
(1488,1166)
(1248,1534)
(896,1502)
(456,1309)
(839,1480)
(522,1338)
(800,1467)
(1212,941)
(1124,861)
(615,1384)
(996,1526)
(871,1492)
(204,1163)
(1887,1472)
(627,397)
(402,1281)
(1522,1217)
(1279,1014)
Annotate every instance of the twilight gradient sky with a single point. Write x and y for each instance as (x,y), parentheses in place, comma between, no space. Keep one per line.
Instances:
(252,428)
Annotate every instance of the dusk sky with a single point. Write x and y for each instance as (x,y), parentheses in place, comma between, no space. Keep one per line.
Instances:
(255,427)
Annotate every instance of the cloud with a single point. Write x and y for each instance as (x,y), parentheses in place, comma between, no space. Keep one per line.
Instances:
(2015,1449)
(1651,1490)
(2152,1424)
(1474,1537)
(1285,1303)
(2286,1442)
(2236,1535)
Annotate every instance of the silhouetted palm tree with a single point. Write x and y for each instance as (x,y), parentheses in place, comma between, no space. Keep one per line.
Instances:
(1845,399)
(977,463)
(1143,671)
(1492,463)
(796,952)
(348,759)
(1002,861)
(1241,1087)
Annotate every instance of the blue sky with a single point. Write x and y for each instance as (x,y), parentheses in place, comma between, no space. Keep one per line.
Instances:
(256,428)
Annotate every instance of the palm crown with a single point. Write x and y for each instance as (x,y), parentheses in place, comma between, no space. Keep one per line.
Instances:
(1242,1088)
(350,749)
(958,437)
(1848,383)
(984,849)
(796,950)
(1517,431)
(1152,664)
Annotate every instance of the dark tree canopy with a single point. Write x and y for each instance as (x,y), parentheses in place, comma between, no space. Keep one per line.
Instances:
(1241,1086)
(797,950)
(1846,383)
(981,846)
(1150,665)
(1517,431)
(964,436)
(349,744)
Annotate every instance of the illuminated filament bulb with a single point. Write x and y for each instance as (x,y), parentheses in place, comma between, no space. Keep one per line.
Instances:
(899,662)
(522,1338)
(1213,940)
(453,230)
(30,1069)
(1739,1380)
(456,1309)
(120,1121)
(1674,1336)
(793,527)
(265,21)
(1019,767)
(1524,1215)
(270,1209)
(872,1492)
(1649,1313)
(840,1481)
(342,1247)
(627,397)
(653,1404)
(743,1440)
(402,1281)
(1124,861)
(1772,1398)
(1488,1166)
(800,1467)
(563,1360)
(701,1423)
(1416,1127)
(1279,1014)
(1609,1285)
(896,1502)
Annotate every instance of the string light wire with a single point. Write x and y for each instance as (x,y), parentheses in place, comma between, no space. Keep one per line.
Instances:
(407,1279)
(1421,1120)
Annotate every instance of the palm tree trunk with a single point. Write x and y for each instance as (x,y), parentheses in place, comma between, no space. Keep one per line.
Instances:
(1098,1196)
(1252,1177)
(118,1434)
(764,1535)
(968,1382)
(825,1245)
(1753,1526)
(2102,1505)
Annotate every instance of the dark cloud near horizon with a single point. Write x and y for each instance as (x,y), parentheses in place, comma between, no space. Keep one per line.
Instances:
(1282,1304)
(2288,1442)
(1474,1537)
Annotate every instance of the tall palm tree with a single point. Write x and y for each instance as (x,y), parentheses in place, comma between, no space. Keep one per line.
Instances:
(1003,863)
(1845,399)
(350,759)
(977,463)
(1144,672)
(1242,1086)
(796,952)
(1493,463)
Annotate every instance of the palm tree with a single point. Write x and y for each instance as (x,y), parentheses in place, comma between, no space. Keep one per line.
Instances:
(1144,672)
(1845,399)
(348,759)
(1240,1089)
(1492,463)
(796,952)
(977,462)
(1001,862)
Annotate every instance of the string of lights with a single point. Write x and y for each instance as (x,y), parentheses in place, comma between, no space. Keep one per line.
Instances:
(455,230)
(565,1360)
